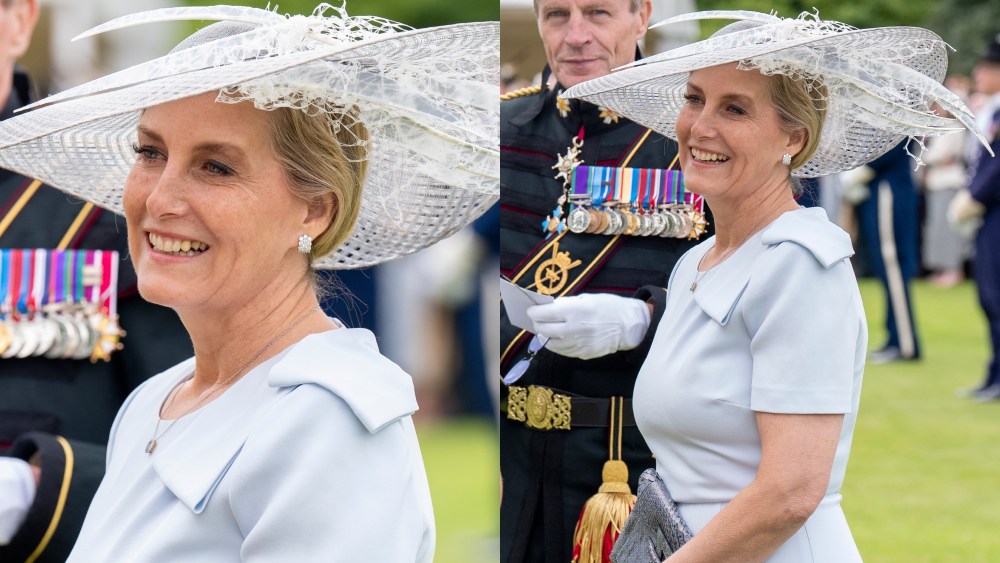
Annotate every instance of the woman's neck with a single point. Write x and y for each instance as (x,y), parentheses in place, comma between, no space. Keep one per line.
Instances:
(737,219)
(226,338)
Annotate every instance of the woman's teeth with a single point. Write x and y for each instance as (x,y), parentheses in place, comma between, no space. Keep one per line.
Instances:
(176,247)
(708,156)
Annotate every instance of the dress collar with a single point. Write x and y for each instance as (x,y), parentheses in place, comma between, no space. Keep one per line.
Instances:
(719,290)
(344,361)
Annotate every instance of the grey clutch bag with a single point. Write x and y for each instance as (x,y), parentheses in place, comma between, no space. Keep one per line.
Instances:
(654,529)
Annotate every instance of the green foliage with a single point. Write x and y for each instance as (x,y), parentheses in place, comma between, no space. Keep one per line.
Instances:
(967,28)
(423,13)
(875,13)
(921,482)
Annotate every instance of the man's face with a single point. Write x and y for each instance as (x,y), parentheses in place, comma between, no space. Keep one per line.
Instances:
(585,39)
(17,20)
(986,76)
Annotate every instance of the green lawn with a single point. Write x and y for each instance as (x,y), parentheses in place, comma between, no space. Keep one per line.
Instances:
(923,482)
(462,457)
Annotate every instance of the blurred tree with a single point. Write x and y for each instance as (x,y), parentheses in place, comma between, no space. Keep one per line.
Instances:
(422,13)
(874,13)
(967,28)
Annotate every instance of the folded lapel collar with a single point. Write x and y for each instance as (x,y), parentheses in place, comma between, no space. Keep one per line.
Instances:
(719,290)
(345,361)
(377,390)
(193,461)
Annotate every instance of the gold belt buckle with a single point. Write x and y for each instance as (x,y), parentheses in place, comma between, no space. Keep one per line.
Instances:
(539,408)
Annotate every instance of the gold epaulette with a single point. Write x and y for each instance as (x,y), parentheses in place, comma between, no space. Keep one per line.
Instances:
(520,92)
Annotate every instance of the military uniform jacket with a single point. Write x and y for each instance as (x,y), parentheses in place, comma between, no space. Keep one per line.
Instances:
(548,475)
(64,408)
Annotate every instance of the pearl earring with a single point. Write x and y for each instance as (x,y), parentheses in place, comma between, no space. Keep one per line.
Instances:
(786,159)
(305,244)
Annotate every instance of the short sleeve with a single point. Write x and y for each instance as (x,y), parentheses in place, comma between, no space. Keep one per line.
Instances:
(804,321)
(312,484)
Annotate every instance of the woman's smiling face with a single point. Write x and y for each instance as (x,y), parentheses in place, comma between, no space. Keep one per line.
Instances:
(729,134)
(211,218)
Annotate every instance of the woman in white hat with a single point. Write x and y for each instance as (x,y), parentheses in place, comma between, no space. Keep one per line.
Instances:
(259,149)
(749,396)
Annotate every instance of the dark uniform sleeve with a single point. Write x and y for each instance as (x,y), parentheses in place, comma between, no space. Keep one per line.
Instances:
(657,296)
(71,472)
(985,184)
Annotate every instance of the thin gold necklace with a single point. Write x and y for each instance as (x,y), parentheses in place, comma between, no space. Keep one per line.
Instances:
(205,395)
(698,274)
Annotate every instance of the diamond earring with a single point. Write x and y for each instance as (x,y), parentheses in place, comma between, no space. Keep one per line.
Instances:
(305,244)
(786,159)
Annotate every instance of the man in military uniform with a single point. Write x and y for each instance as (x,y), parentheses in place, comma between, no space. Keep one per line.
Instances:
(549,472)
(890,225)
(985,191)
(58,412)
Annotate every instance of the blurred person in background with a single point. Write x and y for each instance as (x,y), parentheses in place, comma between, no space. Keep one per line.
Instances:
(944,249)
(981,204)
(549,471)
(57,412)
(889,228)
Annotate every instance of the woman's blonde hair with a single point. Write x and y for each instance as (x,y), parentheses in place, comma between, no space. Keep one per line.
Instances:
(800,105)
(325,158)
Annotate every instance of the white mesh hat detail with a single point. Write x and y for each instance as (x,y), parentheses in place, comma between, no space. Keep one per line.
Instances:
(880,83)
(428,98)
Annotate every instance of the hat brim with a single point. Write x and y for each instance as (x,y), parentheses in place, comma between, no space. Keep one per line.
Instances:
(870,105)
(432,168)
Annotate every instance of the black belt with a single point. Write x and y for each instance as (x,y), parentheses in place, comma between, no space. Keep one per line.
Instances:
(542,408)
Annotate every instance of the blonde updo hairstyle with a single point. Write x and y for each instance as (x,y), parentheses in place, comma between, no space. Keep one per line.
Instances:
(325,158)
(800,105)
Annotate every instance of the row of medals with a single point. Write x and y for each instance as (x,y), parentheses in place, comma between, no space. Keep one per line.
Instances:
(677,221)
(67,331)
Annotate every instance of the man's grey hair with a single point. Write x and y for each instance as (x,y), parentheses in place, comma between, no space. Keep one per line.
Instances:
(635,6)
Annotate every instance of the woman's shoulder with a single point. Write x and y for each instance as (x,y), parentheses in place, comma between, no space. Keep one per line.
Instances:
(345,365)
(811,230)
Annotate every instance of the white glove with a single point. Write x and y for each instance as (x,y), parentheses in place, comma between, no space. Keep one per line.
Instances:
(591,325)
(965,213)
(17,492)
(854,184)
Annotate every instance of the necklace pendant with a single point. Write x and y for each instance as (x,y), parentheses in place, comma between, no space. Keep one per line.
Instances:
(151,446)
(694,285)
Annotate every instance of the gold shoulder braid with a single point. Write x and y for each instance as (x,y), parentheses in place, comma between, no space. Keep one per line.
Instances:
(520,92)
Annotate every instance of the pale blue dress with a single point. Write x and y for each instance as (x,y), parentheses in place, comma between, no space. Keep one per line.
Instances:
(310,457)
(778,327)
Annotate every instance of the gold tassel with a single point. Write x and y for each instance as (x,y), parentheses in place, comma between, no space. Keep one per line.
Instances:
(604,514)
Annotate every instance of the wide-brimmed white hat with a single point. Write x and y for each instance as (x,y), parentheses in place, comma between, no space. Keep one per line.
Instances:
(428,98)
(879,83)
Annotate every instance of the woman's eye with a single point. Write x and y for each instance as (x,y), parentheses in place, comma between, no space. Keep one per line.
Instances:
(217,169)
(692,99)
(737,110)
(145,152)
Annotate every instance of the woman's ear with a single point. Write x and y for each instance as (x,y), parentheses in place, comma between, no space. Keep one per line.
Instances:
(320,213)
(797,141)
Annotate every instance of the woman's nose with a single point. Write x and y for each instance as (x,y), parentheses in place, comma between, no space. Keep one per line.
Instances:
(166,193)
(702,125)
